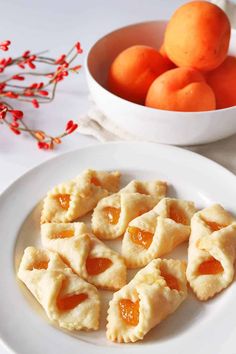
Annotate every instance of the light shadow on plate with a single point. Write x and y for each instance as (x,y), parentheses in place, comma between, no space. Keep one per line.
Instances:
(29,234)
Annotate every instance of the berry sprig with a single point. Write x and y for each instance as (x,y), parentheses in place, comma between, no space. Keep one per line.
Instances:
(36,92)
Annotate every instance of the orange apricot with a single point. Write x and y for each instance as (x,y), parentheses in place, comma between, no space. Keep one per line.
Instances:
(133,71)
(197,36)
(223,82)
(181,89)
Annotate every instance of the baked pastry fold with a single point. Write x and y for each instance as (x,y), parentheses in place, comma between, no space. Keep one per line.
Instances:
(66,298)
(211,252)
(113,213)
(155,292)
(157,232)
(89,257)
(70,200)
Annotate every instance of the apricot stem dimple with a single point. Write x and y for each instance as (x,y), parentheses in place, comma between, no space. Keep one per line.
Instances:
(112,214)
(178,215)
(211,266)
(97,265)
(129,311)
(63,234)
(63,200)
(69,302)
(140,237)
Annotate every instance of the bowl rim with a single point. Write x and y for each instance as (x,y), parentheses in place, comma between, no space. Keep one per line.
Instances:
(133,104)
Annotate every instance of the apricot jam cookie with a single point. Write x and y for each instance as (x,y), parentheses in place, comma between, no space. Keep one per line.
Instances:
(157,232)
(112,214)
(66,298)
(211,252)
(155,292)
(89,257)
(70,200)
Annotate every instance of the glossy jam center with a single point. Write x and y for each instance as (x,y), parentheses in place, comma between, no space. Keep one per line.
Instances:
(212,266)
(64,234)
(140,189)
(112,215)
(95,181)
(171,281)
(177,215)
(214,226)
(63,200)
(140,237)
(69,302)
(96,266)
(129,311)
(40,265)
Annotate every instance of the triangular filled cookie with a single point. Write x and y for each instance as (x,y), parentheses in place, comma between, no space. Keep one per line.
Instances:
(212,251)
(157,232)
(66,298)
(70,200)
(155,292)
(90,258)
(112,214)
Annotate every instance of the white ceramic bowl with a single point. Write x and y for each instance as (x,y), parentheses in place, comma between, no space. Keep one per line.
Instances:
(169,127)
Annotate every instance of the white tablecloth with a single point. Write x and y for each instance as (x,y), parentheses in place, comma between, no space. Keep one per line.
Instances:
(42,24)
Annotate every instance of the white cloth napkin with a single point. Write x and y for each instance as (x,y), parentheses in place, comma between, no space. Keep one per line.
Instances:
(96,124)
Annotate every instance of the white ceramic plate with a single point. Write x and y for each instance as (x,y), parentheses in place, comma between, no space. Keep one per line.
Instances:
(195,327)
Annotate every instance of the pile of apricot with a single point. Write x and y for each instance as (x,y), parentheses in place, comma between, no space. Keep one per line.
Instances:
(192,70)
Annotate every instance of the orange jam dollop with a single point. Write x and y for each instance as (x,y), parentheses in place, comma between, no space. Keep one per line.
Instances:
(94,180)
(69,302)
(171,281)
(96,266)
(39,265)
(63,200)
(129,311)
(178,215)
(112,214)
(64,234)
(140,237)
(214,226)
(212,266)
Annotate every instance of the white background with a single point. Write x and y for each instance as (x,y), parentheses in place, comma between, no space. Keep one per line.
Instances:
(57,25)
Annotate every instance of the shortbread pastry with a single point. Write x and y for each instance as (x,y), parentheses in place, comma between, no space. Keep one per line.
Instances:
(113,213)
(157,232)
(66,298)
(211,253)
(70,200)
(155,292)
(89,257)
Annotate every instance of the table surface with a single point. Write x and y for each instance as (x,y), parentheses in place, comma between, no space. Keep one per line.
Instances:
(42,24)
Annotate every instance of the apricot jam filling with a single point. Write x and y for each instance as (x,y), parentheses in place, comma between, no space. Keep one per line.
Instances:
(64,234)
(140,189)
(69,302)
(96,266)
(112,214)
(212,266)
(178,215)
(129,311)
(63,200)
(95,181)
(39,265)
(171,281)
(214,226)
(140,237)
